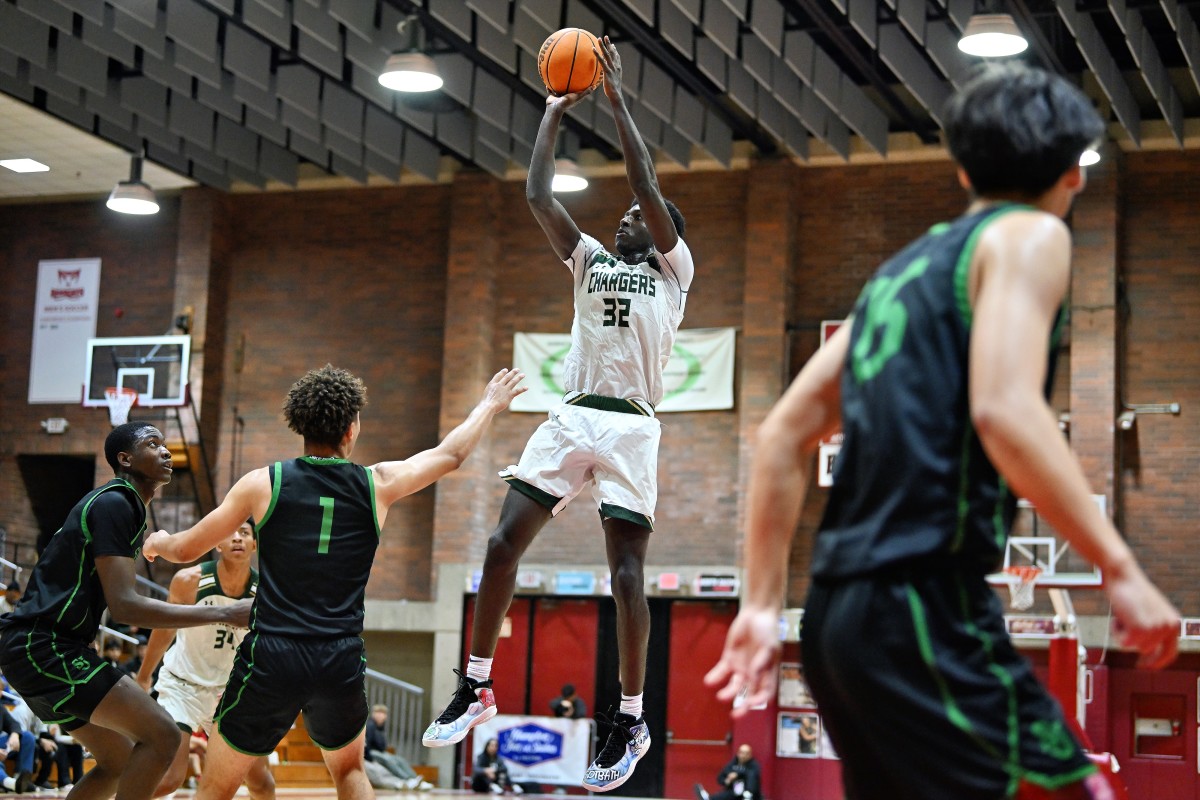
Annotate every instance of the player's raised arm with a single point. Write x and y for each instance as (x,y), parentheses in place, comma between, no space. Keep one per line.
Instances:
(248,498)
(560,229)
(783,455)
(183,592)
(639,167)
(396,479)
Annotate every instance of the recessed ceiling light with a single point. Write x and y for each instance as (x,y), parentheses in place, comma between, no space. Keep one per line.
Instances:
(24,165)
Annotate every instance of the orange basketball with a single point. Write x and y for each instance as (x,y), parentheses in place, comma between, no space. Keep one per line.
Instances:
(567,61)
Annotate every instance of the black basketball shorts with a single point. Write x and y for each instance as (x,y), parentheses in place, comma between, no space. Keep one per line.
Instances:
(274,678)
(923,694)
(62,680)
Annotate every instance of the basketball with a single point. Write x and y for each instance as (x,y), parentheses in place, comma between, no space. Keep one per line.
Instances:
(567,61)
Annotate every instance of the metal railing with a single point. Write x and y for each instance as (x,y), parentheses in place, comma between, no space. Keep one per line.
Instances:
(16,568)
(405,703)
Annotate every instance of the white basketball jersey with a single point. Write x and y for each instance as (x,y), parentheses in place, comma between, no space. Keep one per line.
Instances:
(203,655)
(626,316)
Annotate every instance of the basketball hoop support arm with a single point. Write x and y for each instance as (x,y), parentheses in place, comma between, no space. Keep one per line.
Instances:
(1066,659)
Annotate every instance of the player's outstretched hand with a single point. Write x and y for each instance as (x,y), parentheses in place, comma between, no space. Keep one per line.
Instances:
(238,614)
(610,59)
(747,664)
(564,101)
(1143,618)
(503,387)
(150,547)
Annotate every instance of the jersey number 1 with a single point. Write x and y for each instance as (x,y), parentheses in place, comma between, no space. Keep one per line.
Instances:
(326,524)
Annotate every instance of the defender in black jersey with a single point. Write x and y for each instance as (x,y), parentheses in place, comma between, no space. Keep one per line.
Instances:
(939,382)
(319,519)
(45,642)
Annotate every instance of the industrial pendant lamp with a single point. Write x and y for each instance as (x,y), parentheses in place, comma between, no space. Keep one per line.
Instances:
(133,196)
(567,176)
(992,35)
(410,70)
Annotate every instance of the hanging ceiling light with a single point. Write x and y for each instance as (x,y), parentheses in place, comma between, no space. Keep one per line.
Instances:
(992,36)
(411,72)
(409,69)
(567,176)
(1089,157)
(133,196)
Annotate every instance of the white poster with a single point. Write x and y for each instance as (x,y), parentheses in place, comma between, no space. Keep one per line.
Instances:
(547,750)
(698,376)
(64,318)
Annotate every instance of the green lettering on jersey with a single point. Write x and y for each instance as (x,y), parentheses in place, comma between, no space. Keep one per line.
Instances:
(884,322)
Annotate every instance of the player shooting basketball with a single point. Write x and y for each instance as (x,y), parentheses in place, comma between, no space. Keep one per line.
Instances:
(940,382)
(628,306)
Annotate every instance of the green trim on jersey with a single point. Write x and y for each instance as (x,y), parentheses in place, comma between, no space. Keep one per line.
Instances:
(121,483)
(208,570)
(374,505)
(276,483)
(321,461)
(962,270)
(964,488)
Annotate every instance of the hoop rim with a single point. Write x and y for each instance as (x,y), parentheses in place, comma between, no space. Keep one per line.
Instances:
(115,391)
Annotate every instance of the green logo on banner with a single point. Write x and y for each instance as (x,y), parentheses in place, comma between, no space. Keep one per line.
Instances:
(694,370)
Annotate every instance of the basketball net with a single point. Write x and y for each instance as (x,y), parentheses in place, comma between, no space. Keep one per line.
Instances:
(1022,581)
(119,400)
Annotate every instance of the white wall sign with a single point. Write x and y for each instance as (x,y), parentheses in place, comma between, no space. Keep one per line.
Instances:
(64,318)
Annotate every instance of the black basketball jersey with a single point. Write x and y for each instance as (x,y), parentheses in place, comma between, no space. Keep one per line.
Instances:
(912,480)
(64,595)
(316,544)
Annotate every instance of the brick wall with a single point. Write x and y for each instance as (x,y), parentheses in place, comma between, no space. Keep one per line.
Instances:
(419,290)
(137,276)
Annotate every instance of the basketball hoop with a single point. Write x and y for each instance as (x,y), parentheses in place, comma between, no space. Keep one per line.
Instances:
(119,399)
(1021,583)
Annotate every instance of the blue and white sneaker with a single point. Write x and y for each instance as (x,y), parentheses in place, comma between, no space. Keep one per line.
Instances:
(473,703)
(628,741)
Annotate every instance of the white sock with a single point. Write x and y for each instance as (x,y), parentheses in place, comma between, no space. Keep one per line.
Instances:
(479,669)
(631,705)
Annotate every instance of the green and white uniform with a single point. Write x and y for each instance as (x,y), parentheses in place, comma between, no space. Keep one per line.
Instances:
(626,318)
(197,665)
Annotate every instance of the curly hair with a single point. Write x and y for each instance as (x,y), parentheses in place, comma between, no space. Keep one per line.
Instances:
(322,405)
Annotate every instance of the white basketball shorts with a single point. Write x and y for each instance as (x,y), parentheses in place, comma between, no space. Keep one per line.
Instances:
(616,452)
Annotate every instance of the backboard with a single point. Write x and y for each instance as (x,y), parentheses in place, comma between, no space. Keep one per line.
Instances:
(1033,543)
(154,366)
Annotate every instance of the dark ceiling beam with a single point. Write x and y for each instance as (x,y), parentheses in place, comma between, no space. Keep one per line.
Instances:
(926,130)
(436,27)
(1041,45)
(1150,62)
(682,73)
(1104,67)
(1188,35)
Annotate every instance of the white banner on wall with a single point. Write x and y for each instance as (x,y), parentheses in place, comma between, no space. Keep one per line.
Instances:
(64,318)
(698,376)
(549,750)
